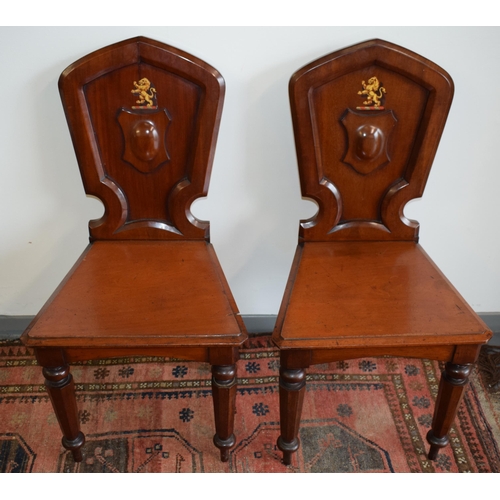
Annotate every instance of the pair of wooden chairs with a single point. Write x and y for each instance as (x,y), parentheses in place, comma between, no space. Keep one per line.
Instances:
(367,120)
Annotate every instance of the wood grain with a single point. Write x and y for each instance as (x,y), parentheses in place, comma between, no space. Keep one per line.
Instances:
(139,293)
(97,89)
(354,203)
(144,118)
(367,123)
(389,292)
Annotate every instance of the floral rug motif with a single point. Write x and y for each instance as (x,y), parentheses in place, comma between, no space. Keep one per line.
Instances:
(151,414)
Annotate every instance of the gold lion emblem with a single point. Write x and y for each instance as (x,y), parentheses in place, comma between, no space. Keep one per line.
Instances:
(146,93)
(370,90)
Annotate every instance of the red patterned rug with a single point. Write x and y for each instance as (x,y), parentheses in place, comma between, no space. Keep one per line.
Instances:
(147,414)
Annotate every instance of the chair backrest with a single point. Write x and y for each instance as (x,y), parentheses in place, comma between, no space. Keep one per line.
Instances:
(144,119)
(367,123)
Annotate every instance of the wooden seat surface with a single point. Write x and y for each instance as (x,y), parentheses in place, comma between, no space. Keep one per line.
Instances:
(350,294)
(161,292)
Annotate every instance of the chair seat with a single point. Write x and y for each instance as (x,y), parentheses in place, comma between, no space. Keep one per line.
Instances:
(355,294)
(133,293)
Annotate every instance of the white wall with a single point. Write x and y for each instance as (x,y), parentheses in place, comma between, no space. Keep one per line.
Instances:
(254,202)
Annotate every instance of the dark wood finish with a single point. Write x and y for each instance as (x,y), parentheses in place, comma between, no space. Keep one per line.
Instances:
(115,143)
(224,394)
(388,291)
(61,389)
(169,294)
(360,284)
(292,389)
(144,118)
(451,388)
(363,166)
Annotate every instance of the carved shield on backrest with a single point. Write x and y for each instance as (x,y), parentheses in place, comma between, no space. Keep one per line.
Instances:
(367,140)
(144,137)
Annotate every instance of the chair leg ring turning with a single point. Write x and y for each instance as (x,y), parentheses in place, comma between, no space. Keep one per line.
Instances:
(61,389)
(454,379)
(224,446)
(292,389)
(224,396)
(75,446)
(288,448)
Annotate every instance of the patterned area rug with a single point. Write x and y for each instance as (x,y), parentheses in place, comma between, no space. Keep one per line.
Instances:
(146,414)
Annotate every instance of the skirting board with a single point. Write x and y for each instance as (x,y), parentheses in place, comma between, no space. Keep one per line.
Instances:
(11,327)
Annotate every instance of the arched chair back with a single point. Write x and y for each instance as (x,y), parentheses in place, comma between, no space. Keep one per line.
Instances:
(144,118)
(367,123)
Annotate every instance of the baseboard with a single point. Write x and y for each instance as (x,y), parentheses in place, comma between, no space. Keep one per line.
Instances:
(11,327)
(259,324)
(492,319)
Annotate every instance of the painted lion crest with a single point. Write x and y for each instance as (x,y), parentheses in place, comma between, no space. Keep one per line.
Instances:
(145,92)
(370,91)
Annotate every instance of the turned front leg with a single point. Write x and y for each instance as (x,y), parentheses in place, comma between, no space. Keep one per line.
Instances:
(292,389)
(451,388)
(61,389)
(224,396)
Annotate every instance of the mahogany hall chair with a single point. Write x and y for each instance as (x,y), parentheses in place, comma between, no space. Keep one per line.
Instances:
(144,119)
(367,122)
